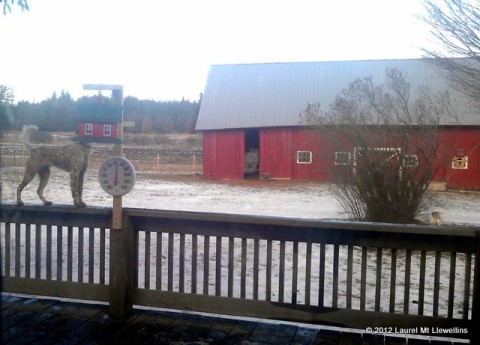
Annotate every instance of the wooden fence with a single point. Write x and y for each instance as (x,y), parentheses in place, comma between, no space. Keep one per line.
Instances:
(360,275)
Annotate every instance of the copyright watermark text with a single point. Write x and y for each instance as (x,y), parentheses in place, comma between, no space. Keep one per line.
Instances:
(417,330)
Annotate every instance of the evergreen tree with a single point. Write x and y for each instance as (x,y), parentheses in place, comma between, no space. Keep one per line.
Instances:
(6,111)
(58,113)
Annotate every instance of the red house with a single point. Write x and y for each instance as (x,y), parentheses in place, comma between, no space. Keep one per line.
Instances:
(99,118)
(250,119)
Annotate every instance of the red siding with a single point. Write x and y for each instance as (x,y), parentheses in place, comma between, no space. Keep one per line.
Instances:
(278,154)
(97,130)
(467,140)
(276,157)
(223,155)
(321,151)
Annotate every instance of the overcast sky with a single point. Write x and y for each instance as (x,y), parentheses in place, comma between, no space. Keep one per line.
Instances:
(162,49)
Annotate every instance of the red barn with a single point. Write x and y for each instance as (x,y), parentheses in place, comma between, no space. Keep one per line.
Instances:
(250,119)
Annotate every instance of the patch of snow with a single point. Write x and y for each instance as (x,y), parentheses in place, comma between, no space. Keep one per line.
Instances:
(292,199)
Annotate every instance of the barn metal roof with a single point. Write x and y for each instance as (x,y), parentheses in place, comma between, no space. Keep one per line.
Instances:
(274,94)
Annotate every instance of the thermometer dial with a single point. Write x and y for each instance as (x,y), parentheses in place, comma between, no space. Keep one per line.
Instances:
(117,176)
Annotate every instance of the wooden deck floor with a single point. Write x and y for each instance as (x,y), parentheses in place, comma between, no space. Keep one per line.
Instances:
(48,321)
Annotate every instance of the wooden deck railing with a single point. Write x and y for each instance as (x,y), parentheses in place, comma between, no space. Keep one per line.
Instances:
(357,275)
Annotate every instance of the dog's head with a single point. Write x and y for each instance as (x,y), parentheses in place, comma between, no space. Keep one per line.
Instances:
(88,147)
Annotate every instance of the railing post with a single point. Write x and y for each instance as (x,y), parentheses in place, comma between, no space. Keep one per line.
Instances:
(121,270)
(474,331)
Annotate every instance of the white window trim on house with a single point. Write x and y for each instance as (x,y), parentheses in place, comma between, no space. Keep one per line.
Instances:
(396,151)
(88,129)
(393,150)
(343,158)
(410,161)
(304,157)
(460,163)
(107,130)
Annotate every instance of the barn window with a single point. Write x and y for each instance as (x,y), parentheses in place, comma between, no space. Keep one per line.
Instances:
(460,162)
(343,158)
(107,130)
(304,157)
(410,161)
(88,129)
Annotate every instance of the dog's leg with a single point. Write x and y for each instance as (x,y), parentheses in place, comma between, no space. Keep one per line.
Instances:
(81,177)
(74,186)
(27,178)
(44,174)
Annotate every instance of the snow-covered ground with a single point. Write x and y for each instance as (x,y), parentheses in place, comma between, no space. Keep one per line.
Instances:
(272,198)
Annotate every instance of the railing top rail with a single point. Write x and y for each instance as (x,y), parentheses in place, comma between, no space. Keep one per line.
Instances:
(56,215)
(464,231)
(100,217)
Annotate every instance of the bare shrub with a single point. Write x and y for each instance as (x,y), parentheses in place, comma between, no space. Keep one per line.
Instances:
(385,146)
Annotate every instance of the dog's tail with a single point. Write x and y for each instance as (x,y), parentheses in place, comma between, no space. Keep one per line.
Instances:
(26,131)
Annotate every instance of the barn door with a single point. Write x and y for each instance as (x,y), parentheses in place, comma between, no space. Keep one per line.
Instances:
(276,153)
(223,155)
(252,152)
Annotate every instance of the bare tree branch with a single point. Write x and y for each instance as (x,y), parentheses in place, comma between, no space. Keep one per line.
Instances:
(456,26)
(23,4)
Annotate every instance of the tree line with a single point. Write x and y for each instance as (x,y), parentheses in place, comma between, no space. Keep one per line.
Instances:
(58,113)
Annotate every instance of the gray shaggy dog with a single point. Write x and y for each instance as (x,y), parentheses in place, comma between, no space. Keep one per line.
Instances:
(73,158)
